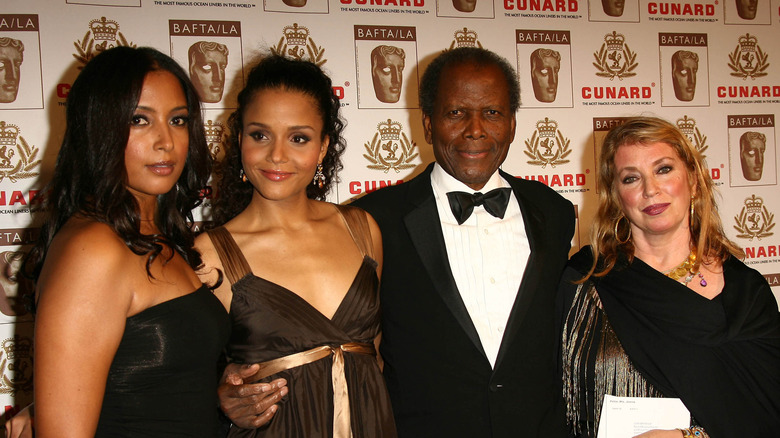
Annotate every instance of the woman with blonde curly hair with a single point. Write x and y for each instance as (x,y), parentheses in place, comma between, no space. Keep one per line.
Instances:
(659,304)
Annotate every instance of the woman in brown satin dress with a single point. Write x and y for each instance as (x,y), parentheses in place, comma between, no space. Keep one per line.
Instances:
(301,275)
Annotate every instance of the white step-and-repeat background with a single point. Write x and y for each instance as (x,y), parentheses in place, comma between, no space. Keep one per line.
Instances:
(710,66)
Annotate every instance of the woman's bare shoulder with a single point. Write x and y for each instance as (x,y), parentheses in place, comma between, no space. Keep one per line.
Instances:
(88,240)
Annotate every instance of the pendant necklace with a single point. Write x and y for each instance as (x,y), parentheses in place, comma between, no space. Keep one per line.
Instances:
(685,271)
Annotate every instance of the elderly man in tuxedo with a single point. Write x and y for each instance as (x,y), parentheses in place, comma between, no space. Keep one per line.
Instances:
(472,261)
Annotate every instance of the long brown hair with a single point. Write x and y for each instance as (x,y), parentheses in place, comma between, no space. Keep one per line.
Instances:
(706,229)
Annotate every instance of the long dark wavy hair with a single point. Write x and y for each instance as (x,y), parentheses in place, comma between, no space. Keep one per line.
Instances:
(278,72)
(90,178)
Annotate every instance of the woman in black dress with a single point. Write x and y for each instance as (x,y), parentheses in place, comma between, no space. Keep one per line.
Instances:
(126,336)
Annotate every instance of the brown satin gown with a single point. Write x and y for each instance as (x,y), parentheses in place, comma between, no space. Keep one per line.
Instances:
(270,321)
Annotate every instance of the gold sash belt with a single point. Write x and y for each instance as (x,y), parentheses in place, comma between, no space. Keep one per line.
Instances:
(341,423)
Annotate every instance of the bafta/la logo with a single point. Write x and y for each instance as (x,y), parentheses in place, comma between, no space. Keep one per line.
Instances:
(688,127)
(748,60)
(390,148)
(17,157)
(615,59)
(547,145)
(297,43)
(16,365)
(465,38)
(102,34)
(754,220)
(214,137)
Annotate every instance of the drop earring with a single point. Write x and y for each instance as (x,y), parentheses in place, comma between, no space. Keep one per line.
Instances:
(319,177)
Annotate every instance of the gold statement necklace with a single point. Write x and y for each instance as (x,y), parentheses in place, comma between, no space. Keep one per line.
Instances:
(685,271)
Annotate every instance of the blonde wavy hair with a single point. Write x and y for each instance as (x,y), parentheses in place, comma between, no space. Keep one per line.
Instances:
(706,229)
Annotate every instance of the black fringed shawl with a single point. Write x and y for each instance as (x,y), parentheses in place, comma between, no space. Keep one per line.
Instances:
(720,356)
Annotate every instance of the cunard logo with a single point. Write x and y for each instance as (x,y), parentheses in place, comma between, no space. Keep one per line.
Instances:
(390,148)
(688,127)
(215,136)
(297,44)
(16,365)
(754,220)
(102,34)
(17,157)
(748,60)
(547,145)
(465,38)
(615,59)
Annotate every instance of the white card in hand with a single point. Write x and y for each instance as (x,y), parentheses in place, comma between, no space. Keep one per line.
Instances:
(625,417)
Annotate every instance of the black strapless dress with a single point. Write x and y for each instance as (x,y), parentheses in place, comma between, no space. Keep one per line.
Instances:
(163,380)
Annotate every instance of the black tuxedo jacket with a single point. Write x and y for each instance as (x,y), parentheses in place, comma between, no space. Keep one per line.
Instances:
(440,381)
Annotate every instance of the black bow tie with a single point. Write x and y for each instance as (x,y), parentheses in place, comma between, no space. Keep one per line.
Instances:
(495,202)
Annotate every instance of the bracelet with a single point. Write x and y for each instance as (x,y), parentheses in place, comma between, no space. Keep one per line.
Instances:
(695,431)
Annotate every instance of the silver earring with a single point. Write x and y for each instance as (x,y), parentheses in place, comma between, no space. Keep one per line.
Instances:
(242,175)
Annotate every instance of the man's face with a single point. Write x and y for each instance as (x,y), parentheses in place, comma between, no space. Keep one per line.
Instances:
(10,63)
(295,3)
(544,77)
(207,71)
(684,78)
(613,8)
(387,74)
(472,124)
(464,5)
(747,9)
(752,158)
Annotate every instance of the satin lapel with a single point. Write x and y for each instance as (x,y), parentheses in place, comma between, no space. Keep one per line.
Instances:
(529,286)
(422,223)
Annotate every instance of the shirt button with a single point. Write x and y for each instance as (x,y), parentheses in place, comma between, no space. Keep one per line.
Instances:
(486,231)
(492,280)
(501,330)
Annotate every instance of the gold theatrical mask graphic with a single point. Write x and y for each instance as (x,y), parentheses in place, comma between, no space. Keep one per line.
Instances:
(207,63)
(11,58)
(613,8)
(387,68)
(547,145)
(685,65)
(746,9)
(752,146)
(390,148)
(464,5)
(545,64)
(14,286)
(754,221)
